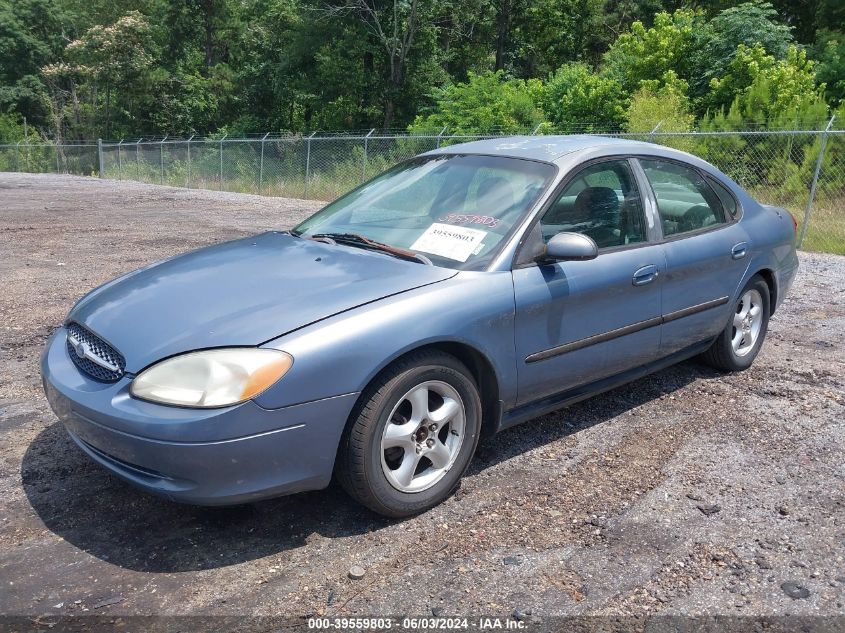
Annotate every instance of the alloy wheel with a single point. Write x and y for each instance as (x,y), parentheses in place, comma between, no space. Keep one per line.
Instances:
(423,436)
(747,322)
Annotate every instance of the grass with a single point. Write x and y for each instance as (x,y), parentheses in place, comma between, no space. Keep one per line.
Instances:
(826,230)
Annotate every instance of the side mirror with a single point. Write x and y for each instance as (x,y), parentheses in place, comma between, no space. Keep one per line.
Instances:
(569,246)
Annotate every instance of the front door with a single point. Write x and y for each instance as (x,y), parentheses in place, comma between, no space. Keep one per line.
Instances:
(580,321)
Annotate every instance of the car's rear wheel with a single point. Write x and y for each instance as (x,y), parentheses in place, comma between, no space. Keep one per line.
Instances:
(740,342)
(411,436)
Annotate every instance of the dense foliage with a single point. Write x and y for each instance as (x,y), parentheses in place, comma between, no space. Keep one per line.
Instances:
(75,69)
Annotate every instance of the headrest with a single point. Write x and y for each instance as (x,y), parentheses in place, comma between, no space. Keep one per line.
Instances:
(595,202)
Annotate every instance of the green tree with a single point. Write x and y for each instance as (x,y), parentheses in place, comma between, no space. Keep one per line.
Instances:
(202,48)
(278,65)
(830,53)
(617,17)
(81,15)
(347,92)
(396,28)
(238,66)
(666,105)
(577,99)
(11,128)
(180,103)
(206,31)
(30,36)
(649,53)
(749,24)
(770,91)
(485,102)
(808,17)
(546,34)
(105,65)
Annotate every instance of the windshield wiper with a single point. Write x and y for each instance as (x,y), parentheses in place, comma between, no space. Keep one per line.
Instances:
(354,239)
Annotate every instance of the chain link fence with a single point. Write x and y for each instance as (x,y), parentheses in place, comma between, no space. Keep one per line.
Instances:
(311,167)
(38,158)
(801,170)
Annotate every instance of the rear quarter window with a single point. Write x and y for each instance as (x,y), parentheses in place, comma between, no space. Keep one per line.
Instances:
(725,197)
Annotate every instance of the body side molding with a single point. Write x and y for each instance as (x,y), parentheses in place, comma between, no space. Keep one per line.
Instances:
(593,340)
(623,331)
(701,307)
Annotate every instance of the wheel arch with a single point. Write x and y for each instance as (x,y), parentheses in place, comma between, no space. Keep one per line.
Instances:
(480,367)
(762,267)
(485,378)
(768,276)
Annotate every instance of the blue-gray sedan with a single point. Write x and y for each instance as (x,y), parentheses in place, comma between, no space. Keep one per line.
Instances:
(459,293)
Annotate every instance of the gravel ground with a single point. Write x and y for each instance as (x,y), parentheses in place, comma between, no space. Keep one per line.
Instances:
(686,493)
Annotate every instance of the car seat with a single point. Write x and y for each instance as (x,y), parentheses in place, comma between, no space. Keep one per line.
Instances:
(600,205)
(697,217)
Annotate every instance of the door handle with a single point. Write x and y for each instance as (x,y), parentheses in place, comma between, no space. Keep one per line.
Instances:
(739,250)
(645,275)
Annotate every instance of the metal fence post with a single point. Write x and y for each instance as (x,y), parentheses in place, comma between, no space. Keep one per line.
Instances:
(308,163)
(536,129)
(261,165)
(18,156)
(161,160)
(815,182)
(119,161)
(220,182)
(188,177)
(442,132)
(654,131)
(364,165)
(138,158)
(786,162)
(100,163)
(58,161)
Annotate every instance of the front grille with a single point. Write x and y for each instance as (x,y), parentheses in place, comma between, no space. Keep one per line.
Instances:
(93,355)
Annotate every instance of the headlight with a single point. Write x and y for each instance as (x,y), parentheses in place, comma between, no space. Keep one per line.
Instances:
(213,378)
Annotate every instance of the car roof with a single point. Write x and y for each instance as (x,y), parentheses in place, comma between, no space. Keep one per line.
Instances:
(545,148)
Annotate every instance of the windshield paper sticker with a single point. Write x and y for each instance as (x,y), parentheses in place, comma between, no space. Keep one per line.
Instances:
(454,242)
(462,218)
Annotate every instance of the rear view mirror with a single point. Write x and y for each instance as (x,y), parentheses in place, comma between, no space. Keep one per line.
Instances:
(568,247)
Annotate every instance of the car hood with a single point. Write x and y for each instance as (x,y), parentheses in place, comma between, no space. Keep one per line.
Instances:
(243,292)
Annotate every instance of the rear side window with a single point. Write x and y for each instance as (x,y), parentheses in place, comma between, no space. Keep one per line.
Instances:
(685,201)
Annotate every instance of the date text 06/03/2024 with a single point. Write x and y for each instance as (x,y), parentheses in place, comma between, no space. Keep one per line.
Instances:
(414,624)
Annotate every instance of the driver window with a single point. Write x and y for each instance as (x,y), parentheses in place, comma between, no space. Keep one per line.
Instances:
(603,202)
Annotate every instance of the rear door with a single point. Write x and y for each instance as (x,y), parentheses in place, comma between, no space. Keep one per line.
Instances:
(705,251)
(580,321)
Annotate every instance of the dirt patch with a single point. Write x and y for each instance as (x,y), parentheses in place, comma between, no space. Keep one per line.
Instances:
(686,492)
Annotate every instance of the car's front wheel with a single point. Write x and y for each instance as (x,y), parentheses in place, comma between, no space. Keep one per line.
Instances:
(740,342)
(411,436)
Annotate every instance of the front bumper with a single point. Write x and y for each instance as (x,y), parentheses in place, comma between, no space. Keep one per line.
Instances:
(222,456)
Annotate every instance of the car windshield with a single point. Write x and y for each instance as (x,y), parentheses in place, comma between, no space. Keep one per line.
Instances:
(456,210)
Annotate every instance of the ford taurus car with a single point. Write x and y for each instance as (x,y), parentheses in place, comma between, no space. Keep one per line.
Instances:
(459,293)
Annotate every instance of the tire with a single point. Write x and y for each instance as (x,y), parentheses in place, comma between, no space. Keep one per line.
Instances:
(411,436)
(740,342)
